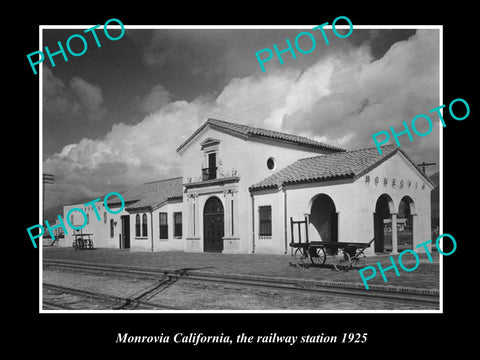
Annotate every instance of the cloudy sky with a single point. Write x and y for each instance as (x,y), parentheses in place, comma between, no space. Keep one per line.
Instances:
(113,117)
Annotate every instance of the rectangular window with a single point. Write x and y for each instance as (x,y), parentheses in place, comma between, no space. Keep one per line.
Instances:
(177,220)
(163,225)
(265,215)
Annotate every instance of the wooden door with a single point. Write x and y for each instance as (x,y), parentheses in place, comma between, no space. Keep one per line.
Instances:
(125,219)
(378,232)
(213,225)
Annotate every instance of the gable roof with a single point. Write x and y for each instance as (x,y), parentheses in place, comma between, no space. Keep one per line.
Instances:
(152,195)
(246,131)
(336,166)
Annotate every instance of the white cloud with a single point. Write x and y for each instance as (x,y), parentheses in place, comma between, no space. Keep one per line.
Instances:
(366,96)
(128,154)
(155,99)
(80,101)
(89,98)
(342,100)
(253,100)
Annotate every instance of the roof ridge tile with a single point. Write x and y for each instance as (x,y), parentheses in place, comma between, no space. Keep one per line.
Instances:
(323,167)
(248,130)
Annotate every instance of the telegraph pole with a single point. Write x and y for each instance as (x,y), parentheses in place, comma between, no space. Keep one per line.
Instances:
(424,165)
(47,179)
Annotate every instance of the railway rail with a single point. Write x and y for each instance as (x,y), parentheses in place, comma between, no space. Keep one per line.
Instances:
(428,297)
(108,301)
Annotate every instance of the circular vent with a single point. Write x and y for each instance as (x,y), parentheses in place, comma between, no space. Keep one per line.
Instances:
(271,163)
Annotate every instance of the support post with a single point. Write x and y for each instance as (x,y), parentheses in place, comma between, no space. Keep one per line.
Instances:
(291,229)
(306,228)
(394,234)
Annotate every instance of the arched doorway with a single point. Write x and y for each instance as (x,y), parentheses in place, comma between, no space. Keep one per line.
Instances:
(324,219)
(406,209)
(383,210)
(213,225)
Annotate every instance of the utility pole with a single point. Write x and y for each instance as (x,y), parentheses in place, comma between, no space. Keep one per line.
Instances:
(424,165)
(47,179)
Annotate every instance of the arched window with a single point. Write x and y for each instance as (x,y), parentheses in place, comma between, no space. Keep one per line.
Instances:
(144,225)
(137,225)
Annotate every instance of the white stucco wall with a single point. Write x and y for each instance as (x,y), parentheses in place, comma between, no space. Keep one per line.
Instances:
(248,160)
(100,229)
(173,242)
(354,201)
(414,185)
(274,244)
(301,197)
(144,241)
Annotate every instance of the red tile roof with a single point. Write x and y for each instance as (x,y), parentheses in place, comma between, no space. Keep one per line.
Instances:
(349,164)
(250,131)
(151,195)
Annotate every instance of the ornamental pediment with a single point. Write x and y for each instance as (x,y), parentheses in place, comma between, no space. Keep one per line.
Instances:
(209,142)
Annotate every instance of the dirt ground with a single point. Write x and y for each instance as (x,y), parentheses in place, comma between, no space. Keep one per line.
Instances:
(201,296)
(426,276)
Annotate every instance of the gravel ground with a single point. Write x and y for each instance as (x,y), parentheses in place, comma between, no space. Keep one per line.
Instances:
(202,296)
(425,276)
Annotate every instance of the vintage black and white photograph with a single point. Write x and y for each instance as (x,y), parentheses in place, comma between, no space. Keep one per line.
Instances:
(242,169)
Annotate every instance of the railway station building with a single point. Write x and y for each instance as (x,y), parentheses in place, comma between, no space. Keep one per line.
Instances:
(241,187)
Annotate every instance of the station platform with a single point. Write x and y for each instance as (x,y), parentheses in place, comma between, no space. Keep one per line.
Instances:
(426,276)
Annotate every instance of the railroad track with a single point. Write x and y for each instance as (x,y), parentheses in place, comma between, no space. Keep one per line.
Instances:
(320,287)
(107,301)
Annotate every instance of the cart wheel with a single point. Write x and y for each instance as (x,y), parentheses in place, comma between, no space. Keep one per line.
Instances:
(317,255)
(301,257)
(342,262)
(358,262)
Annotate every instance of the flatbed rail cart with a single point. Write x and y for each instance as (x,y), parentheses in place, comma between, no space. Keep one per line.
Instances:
(82,241)
(343,256)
